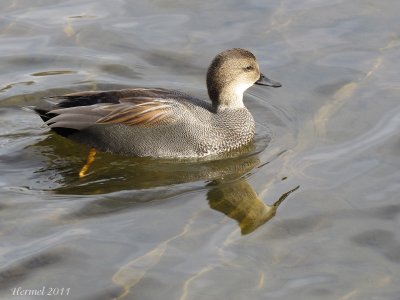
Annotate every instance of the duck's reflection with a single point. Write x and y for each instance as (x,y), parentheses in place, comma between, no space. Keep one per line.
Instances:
(240,202)
(123,183)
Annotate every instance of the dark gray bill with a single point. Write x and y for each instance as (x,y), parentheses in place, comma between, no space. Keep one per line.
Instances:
(266,81)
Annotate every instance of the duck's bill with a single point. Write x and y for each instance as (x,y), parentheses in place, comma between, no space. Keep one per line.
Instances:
(268,82)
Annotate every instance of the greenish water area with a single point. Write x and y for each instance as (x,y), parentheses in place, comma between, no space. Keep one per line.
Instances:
(309,210)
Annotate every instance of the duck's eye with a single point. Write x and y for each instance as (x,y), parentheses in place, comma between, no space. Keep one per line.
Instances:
(248,68)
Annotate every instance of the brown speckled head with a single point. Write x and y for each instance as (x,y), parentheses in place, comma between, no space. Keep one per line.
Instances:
(231,72)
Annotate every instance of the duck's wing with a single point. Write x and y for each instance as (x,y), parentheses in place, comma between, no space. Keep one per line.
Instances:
(70,113)
(115,96)
(127,111)
(141,111)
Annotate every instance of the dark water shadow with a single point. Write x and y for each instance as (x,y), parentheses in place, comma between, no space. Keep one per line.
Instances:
(114,173)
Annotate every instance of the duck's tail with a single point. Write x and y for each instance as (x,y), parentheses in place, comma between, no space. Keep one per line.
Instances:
(43,112)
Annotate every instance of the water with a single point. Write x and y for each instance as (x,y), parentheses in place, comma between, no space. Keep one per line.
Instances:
(150,229)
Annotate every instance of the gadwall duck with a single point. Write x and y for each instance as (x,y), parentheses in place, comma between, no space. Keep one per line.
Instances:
(157,122)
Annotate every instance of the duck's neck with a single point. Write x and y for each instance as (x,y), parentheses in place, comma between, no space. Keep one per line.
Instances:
(230,97)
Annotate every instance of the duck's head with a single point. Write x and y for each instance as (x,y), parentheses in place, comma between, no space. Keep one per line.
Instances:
(231,73)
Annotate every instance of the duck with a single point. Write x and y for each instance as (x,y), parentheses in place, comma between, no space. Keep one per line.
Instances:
(163,123)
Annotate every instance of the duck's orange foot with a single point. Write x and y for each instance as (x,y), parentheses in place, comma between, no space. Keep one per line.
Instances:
(89,161)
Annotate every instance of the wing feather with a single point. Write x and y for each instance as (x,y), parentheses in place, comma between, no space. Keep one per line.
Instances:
(139,112)
(133,108)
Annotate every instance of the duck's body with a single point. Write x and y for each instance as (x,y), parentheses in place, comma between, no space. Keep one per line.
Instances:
(164,123)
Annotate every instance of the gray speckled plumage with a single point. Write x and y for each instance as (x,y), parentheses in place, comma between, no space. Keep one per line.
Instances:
(164,123)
